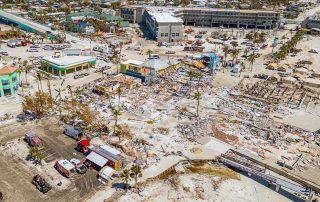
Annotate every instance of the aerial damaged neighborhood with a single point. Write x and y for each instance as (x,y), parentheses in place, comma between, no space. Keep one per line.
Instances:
(177,100)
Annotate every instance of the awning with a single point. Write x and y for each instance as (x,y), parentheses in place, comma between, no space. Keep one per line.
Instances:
(97,159)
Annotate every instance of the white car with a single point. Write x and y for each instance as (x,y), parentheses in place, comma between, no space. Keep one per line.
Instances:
(32,50)
(80,167)
(314,50)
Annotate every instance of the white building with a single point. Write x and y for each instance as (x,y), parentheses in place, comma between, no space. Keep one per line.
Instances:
(164,27)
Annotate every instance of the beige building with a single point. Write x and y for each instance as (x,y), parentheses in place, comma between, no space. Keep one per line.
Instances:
(164,27)
(209,17)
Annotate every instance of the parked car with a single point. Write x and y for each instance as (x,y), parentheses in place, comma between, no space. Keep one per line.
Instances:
(261,76)
(65,167)
(12,44)
(314,50)
(80,167)
(154,56)
(47,47)
(170,52)
(32,50)
(24,43)
(41,184)
(3,52)
(284,74)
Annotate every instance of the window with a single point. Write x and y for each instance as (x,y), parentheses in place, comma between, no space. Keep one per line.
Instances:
(177,34)
(166,34)
(173,34)
(4,83)
(162,35)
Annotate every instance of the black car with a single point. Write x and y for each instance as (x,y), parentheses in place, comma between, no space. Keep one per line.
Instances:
(41,184)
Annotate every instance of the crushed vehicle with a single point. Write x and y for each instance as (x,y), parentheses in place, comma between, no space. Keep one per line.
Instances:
(41,184)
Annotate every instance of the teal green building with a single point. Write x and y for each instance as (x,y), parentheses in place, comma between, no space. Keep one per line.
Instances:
(8,81)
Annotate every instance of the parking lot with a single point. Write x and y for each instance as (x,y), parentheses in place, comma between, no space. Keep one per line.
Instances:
(15,172)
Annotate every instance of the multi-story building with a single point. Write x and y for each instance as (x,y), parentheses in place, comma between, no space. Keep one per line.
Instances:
(206,17)
(8,81)
(164,27)
(209,17)
(133,14)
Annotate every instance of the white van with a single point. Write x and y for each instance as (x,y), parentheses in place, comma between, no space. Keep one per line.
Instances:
(154,56)
(170,52)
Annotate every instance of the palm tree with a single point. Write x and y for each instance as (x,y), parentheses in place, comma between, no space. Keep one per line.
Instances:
(19,71)
(32,152)
(197,95)
(116,113)
(144,143)
(120,46)
(135,172)
(27,69)
(116,58)
(235,54)
(44,64)
(234,44)
(149,52)
(191,75)
(70,90)
(198,75)
(125,176)
(251,60)
(226,51)
(119,91)
(39,156)
(246,51)
(39,79)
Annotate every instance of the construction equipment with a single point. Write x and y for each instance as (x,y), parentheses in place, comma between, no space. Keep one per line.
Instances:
(33,140)
(41,184)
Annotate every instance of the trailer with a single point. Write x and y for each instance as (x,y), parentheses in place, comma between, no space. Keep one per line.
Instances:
(65,167)
(33,140)
(74,132)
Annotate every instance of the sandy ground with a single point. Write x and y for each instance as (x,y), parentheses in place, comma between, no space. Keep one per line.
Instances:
(197,187)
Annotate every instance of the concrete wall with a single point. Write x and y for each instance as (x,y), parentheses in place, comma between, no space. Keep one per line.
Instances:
(169,32)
